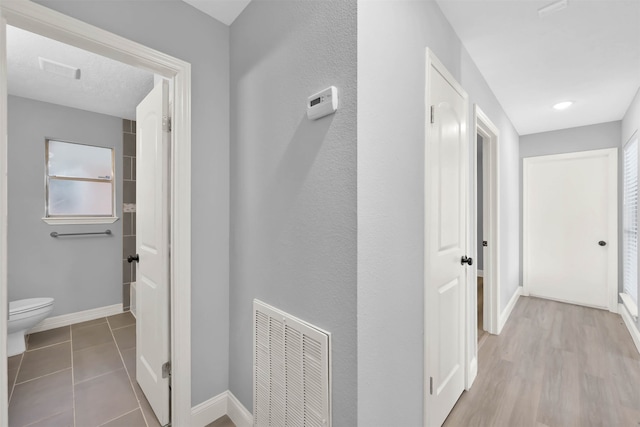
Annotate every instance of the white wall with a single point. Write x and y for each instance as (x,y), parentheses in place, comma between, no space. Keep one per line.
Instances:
(293,182)
(392,37)
(81,273)
(177,29)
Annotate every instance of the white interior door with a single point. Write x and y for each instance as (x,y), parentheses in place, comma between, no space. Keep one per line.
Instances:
(152,244)
(446,204)
(570,227)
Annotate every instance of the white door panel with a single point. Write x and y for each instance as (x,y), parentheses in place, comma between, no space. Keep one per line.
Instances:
(569,207)
(446,166)
(152,244)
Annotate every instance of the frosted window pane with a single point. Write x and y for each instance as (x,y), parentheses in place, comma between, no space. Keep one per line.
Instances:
(79,161)
(80,198)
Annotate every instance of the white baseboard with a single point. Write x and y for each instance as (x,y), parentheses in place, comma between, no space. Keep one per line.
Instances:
(223,404)
(473,373)
(80,316)
(504,316)
(631,325)
(240,415)
(480,273)
(209,410)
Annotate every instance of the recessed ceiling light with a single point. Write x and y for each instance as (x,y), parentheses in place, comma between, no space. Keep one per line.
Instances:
(563,105)
(59,68)
(552,8)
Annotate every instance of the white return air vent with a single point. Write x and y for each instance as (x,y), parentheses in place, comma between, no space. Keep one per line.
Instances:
(291,372)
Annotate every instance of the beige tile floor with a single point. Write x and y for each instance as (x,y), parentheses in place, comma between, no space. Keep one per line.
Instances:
(81,375)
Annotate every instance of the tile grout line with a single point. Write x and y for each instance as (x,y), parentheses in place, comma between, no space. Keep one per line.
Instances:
(73,377)
(120,416)
(14,381)
(47,346)
(127,371)
(42,376)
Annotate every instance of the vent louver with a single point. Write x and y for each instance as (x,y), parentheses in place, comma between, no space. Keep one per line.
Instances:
(291,371)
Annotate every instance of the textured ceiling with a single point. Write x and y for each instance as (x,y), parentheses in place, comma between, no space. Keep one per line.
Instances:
(588,53)
(106,86)
(225,11)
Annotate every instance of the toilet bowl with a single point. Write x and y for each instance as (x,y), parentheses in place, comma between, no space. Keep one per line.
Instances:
(24,314)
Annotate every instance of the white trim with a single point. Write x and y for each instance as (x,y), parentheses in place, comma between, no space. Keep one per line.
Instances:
(49,23)
(504,316)
(612,226)
(631,325)
(77,317)
(629,304)
(483,126)
(491,268)
(209,410)
(473,373)
(240,415)
(81,220)
(4,380)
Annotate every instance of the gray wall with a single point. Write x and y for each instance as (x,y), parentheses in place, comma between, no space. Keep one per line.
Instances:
(584,138)
(630,125)
(392,37)
(81,273)
(293,182)
(480,203)
(177,29)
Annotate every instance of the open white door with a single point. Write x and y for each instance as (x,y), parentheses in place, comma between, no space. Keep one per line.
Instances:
(152,245)
(446,202)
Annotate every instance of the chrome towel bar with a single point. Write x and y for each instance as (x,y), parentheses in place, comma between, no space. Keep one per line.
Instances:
(56,234)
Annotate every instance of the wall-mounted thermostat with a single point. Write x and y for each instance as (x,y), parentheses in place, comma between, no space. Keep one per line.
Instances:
(322,103)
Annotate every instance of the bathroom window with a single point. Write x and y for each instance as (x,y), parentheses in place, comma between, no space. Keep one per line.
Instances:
(80,185)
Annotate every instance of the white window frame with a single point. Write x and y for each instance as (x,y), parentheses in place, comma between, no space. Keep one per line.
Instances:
(79,219)
(630,300)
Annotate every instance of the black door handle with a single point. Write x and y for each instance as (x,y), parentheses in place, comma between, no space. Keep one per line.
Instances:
(602,243)
(464,260)
(132,258)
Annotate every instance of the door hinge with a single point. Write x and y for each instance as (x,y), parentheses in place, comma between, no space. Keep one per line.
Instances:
(484,243)
(431,385)
(432,114)
(166,123)
(166,370)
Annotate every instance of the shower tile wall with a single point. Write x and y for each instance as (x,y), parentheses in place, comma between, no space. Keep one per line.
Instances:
(129,209)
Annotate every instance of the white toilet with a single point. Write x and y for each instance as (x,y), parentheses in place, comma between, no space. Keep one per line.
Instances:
(24,314)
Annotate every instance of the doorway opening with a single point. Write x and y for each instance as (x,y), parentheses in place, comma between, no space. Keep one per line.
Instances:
(481,243)
(486,281)
(48,23)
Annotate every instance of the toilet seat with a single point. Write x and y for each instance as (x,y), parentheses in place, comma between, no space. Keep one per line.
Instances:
(30,304)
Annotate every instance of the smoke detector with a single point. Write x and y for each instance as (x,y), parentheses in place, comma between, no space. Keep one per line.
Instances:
(59,68)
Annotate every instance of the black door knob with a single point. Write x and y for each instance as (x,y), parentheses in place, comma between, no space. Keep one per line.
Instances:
(464,260)
(602,243)
(132,258)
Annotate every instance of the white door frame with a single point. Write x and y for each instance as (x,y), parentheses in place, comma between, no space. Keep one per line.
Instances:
(433,62)
(612,244)
(491,149)
(52,24)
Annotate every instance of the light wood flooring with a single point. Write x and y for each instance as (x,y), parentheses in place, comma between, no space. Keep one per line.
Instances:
(482,334)
(554,365)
